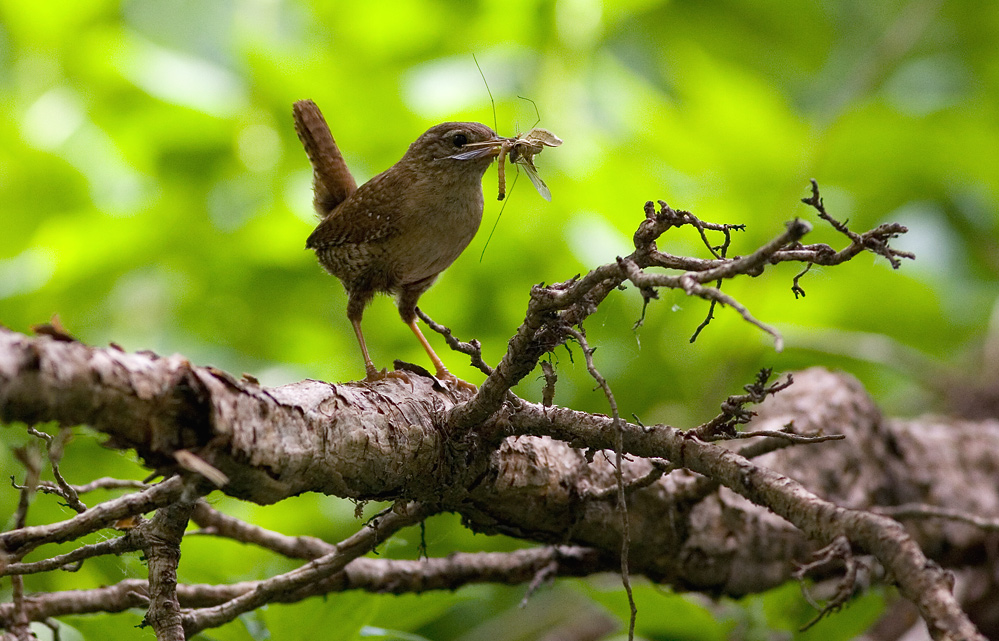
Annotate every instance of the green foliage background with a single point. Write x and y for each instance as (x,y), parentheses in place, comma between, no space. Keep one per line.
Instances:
(153,193)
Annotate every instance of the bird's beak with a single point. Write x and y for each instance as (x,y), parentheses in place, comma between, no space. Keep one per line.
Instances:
(495,145)
(485,149)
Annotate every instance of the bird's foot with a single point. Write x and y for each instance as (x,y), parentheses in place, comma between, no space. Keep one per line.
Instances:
(404,371)
(374,375)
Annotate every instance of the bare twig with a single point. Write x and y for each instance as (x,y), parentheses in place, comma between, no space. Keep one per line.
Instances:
(875,241)
(380,576)
(31,460)
(909,511)
(108,483)
(816,201)
(691,284)
(22,540)
(72,561)
(837,552)
(473,348)
(733,408)
(548,394)
(215,523)
(660,468)
(718,252)
(795,287)
(316,570)
(542,576)
(708,318)
(622,497)
(792,437)
(54,450)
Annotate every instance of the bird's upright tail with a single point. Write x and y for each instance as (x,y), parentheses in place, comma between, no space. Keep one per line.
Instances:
(331,180)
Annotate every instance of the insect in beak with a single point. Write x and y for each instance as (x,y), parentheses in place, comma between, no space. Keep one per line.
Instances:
(521,150)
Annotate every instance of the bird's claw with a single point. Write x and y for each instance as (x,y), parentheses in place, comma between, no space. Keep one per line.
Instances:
(443,376)
(374,375)
(460,384)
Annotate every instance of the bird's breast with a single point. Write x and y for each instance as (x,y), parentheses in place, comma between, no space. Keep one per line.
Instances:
(439,230)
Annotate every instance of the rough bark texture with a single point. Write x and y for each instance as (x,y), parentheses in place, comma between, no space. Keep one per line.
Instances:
(519,471)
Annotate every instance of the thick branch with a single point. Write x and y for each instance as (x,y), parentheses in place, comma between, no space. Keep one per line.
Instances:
(920,581)
(270,443)
(419,443)
(530,487)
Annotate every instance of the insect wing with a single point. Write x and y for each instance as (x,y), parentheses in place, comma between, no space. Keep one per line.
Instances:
(532,173)
(543,136)
(471,154)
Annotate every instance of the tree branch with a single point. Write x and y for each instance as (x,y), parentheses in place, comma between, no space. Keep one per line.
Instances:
(162,549)
(381,576)
(379,529)
(20,541)
(491,457)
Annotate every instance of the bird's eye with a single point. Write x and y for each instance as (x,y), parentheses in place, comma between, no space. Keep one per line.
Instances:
(459,140)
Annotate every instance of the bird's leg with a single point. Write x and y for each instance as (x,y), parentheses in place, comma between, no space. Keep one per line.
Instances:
(407,310)
(438,364)
(442,372)
(373,374)
(369,367)
(355,309)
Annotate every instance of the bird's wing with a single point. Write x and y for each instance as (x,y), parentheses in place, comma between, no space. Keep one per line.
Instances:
(369,215)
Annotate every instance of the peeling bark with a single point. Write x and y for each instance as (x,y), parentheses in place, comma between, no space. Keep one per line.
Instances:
(392,440)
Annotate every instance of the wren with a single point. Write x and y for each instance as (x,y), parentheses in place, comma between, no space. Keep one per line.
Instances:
(397,232)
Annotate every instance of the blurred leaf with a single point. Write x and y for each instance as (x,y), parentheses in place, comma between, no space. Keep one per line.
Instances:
(661,614)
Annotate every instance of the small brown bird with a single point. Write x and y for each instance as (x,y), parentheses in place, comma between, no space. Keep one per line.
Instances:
(397,232)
